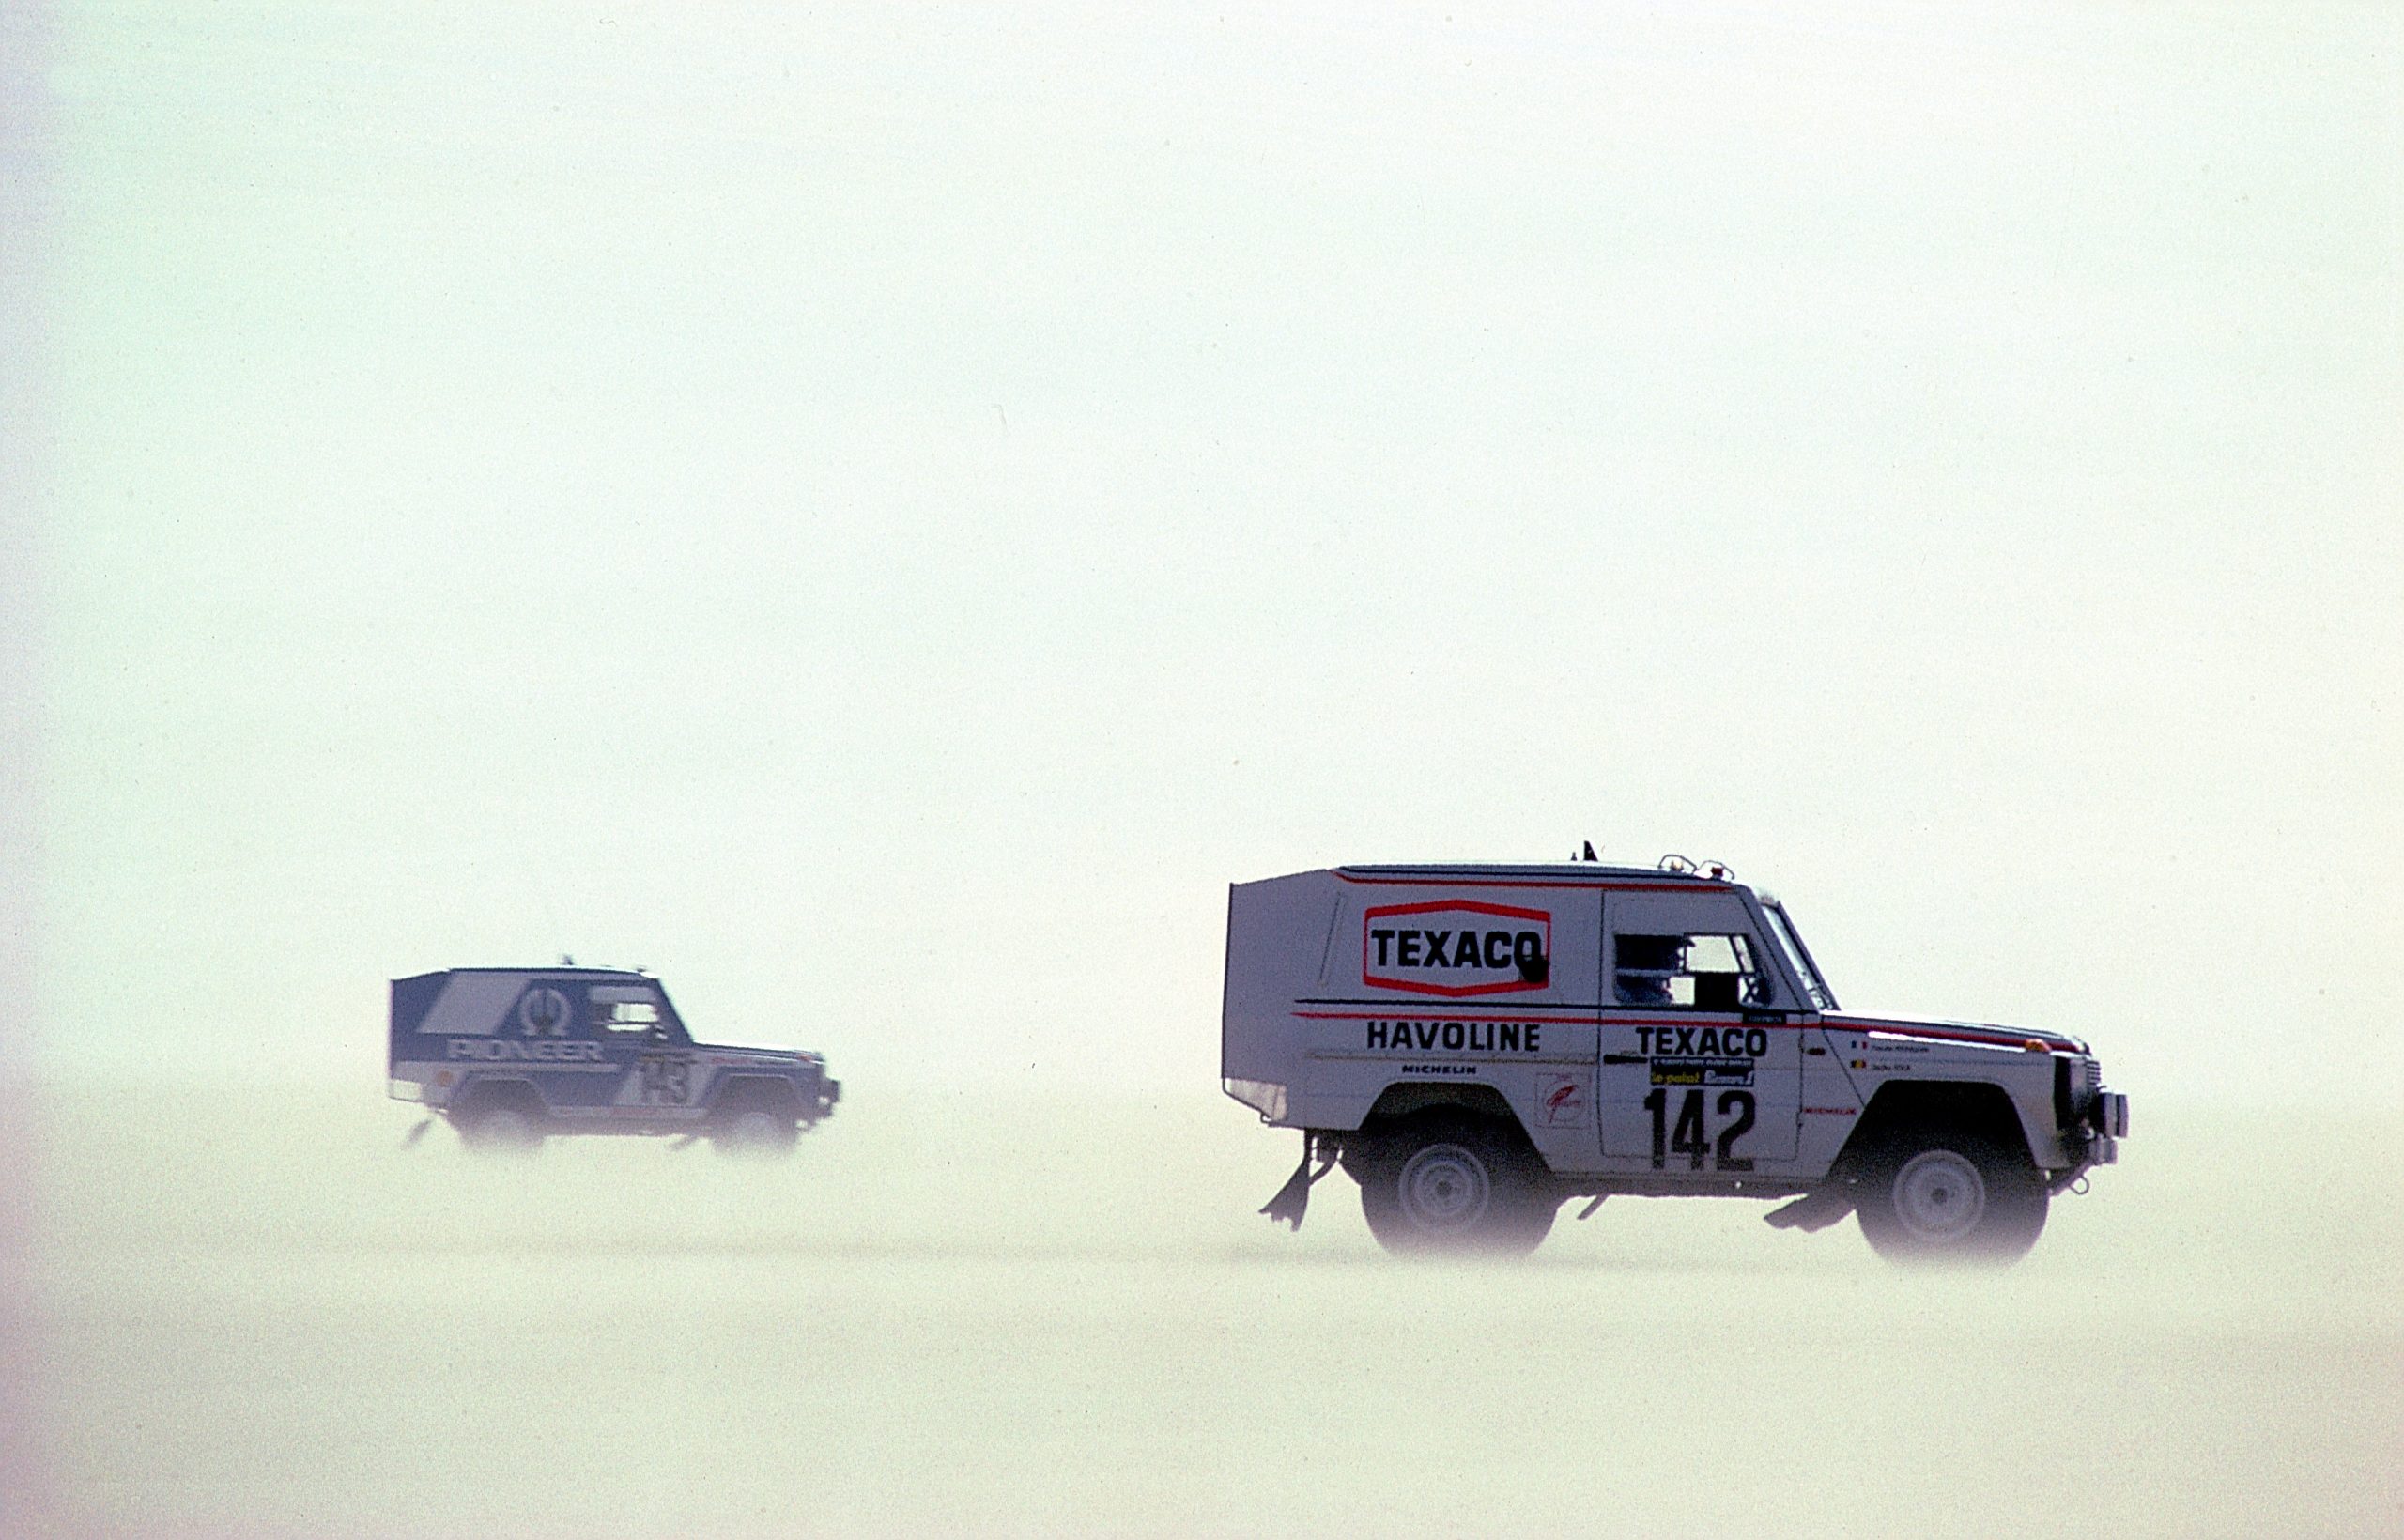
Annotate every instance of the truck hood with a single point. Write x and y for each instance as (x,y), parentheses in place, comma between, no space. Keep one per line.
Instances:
(724,1054)
(1982,1034)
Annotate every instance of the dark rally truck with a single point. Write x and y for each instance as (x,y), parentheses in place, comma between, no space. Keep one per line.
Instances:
(514,1056)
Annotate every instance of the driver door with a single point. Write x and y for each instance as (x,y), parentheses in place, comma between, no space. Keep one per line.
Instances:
(1702,1060)
(658,1079)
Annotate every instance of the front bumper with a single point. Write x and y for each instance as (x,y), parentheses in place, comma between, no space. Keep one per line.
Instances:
(2096,1140)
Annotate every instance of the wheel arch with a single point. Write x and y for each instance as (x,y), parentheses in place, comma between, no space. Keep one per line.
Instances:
(1900,1105)
(1410,1098)
(1405,1100)
(472,1100)
(775,1093)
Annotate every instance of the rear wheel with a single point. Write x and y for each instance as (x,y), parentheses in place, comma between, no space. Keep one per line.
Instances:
(1445,1184)
(1953,1198)
(500,1125)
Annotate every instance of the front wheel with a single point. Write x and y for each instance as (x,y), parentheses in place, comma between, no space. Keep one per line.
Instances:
(754,1133)
(1952,1199)
(1451,1186)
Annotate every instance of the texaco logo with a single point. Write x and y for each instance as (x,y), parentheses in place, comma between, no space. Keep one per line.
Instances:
(543,1014)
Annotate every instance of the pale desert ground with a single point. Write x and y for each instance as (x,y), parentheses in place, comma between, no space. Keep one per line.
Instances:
(254,1313)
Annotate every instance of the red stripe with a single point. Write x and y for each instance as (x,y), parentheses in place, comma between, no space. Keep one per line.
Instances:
(1577,1016)
(1943,1034)
(1684,1020)
(1438,905)
(1630,884)
(1423,1016)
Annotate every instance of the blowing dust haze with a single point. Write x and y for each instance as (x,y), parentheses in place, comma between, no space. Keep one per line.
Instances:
(881,517)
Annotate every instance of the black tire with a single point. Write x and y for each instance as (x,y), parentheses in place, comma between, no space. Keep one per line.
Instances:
(499,1125)
(1951,1198)
(1448,1184)
(753,1131)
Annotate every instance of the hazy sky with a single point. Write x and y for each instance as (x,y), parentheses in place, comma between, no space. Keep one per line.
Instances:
(878,515)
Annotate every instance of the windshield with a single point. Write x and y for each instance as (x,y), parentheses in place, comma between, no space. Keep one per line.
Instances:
(1814,987)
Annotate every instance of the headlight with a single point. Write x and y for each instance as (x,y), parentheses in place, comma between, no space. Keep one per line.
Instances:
(1265,1097)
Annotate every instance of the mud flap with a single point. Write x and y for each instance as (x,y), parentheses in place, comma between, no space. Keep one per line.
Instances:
(1294,1199)
(1813,1210)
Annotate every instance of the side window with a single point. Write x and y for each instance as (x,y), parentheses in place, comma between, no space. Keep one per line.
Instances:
(1697,970)
(625,1011)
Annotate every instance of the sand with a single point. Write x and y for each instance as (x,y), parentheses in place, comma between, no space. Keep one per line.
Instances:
(254,1313)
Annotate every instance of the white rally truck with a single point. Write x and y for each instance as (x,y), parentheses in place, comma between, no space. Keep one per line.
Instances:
(1476,1044)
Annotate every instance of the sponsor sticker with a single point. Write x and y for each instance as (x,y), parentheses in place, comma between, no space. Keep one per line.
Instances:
(1703,1072)
(542,1011)
(511,1051)
(1563,1102)
(1454,1037)
(1455,947)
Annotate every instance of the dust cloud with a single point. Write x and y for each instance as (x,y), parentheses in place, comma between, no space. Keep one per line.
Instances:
(258,1314)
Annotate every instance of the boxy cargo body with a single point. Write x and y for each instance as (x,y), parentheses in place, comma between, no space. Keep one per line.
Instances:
(1582,1029)
(513,1056)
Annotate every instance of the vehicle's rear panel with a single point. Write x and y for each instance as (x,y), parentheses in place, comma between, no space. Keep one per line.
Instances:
(1279,932)
(413,998)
